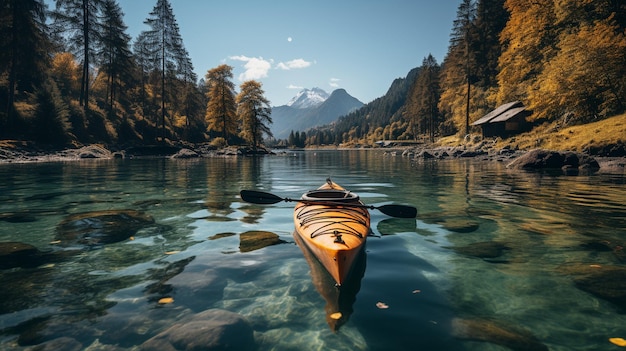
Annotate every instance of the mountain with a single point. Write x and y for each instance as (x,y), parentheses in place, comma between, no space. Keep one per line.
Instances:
(308,98)
(311,108)
(381,111)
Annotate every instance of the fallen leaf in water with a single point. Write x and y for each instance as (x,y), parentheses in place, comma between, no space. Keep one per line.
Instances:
(382,305)
(336,315)
(131,238)
(618,341)
(55,242)
(595,266)
(172,252)
(166,300)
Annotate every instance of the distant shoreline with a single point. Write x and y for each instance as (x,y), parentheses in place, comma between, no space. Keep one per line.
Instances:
(24,152)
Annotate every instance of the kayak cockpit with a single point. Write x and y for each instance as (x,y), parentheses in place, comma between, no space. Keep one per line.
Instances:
(331,195)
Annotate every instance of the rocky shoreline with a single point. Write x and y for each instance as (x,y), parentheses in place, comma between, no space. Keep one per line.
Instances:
(12,151)
(567,162)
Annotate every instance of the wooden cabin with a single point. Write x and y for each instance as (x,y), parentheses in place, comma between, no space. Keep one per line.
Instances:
(505,121)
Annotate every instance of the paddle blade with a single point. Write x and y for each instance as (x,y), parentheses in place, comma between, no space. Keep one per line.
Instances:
(398,211)
(259,197)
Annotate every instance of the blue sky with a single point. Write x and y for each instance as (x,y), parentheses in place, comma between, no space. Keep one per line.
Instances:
(357,45)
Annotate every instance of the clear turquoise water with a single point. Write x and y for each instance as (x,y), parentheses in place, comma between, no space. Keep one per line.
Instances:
(108,297)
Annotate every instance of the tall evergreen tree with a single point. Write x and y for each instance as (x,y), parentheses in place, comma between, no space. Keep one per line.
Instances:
(144,62)
(464,23)
(23,51)
(165,45)
(221,110)
(422,105)
(254,112)
(491,18)
(458,73)
(79,19)
(114,55)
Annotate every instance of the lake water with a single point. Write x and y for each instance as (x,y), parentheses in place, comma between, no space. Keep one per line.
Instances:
(492,252)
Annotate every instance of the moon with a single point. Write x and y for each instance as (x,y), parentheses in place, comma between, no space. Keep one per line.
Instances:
(289,39)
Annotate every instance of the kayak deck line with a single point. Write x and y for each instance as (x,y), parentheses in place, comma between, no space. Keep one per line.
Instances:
(333,224)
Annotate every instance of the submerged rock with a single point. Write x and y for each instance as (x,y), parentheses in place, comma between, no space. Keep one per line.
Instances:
(210,330)
(254,240)
(101,227)
(221,235)
(17,217)
(487,249)
(62,343)
(607,283)
(496,333)
(16,254)
(460,225)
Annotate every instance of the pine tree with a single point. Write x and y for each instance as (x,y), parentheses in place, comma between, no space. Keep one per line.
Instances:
(254,112)
(114,53)
(458,73)
(424,99)
(164,43)
(221,114)
(491,18)
(24,47)
(80,19)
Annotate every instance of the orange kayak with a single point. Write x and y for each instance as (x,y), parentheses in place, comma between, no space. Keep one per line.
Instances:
(333,223)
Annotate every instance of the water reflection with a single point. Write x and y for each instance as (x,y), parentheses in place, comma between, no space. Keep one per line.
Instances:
(339,300)
(539,252)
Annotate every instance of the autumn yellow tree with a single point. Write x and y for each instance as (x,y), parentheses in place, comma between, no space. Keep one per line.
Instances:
(527,43)
(221,110)
(254,113)
(587,78)
(66,72)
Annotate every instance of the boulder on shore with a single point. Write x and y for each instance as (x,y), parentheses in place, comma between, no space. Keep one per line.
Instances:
(540,159)
(185,154)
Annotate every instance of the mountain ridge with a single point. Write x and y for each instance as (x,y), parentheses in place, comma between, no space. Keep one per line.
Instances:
(306,111)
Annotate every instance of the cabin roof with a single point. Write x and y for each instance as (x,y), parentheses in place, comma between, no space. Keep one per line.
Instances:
(508,114)
(502,109)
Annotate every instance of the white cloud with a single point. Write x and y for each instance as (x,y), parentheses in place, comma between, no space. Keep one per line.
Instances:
(334,82)
(293,64)
(255,67)
(295,87)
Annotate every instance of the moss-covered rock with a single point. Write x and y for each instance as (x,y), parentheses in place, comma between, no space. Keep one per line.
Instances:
(254,240)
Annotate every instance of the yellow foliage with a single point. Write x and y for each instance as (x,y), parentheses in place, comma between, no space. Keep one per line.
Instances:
(179,121)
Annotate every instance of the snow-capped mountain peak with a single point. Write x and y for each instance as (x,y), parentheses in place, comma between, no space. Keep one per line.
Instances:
(308,98)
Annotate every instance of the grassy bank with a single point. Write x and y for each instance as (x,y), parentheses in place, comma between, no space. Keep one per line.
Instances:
(610,131)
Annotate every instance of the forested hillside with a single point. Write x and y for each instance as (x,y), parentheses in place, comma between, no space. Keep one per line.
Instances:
(565,60)
(71,74)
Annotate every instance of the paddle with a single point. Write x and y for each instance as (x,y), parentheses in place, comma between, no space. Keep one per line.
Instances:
(263,198)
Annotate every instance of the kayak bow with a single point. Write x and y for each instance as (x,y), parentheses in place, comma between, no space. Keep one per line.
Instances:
(332,227)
